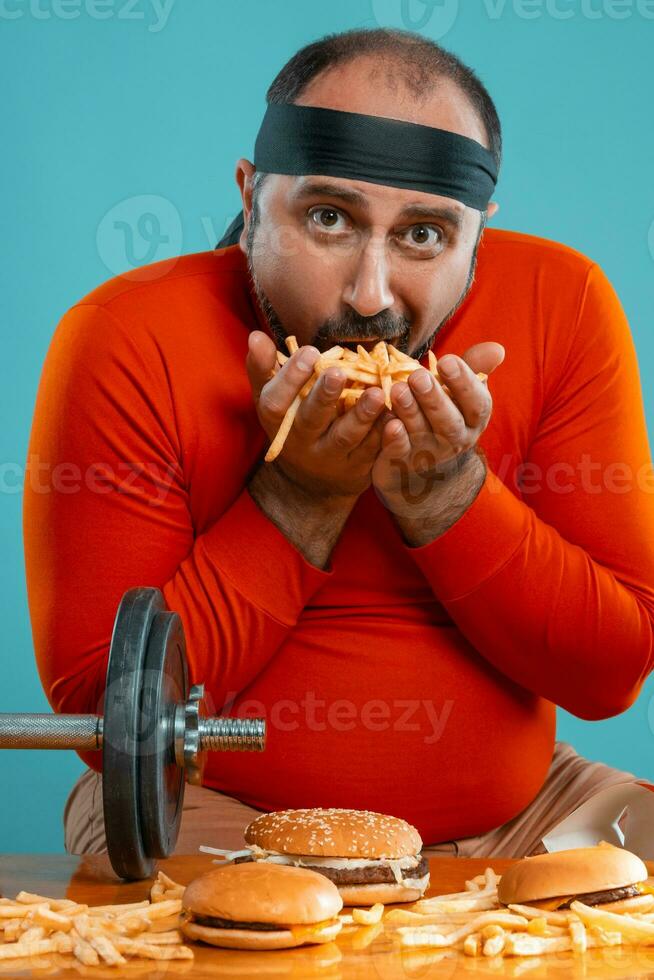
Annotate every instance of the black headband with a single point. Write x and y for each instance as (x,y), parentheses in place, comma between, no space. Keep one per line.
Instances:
(301,140)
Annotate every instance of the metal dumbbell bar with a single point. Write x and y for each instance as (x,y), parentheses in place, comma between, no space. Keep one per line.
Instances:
(153,734)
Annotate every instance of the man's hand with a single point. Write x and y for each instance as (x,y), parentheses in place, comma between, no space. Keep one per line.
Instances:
(326,455)
(428,442)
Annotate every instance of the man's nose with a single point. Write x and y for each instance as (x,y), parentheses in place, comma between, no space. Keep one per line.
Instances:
(368,291)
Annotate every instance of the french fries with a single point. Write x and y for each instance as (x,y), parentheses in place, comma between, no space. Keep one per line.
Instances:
(109,935)
(474,923)
(381,367)
(471,923)
(368,917)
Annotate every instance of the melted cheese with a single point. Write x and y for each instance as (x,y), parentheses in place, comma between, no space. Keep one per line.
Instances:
(551,904)
(315,931)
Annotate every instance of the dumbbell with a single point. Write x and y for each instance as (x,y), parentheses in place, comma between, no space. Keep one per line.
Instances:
(153,735)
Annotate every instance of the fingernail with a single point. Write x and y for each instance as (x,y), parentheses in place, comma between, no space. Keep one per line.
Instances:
(406,398)
(332,383)
(307,359)
(424,381)
(449,366)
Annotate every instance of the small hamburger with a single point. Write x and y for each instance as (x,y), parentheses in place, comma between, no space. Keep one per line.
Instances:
(261,906)
(370,857)
(592,875)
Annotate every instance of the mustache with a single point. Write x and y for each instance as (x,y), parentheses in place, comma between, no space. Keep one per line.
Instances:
(383,326)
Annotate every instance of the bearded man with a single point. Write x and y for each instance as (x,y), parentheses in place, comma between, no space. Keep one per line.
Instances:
(406,593)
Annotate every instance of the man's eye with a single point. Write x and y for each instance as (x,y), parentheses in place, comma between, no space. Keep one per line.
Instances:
(419,235)
(325,218)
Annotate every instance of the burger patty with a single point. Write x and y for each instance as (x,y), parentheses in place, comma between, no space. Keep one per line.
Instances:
(598,898)
(213,923)
(373,875)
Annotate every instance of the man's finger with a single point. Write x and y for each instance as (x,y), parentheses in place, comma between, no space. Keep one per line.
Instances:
(348,432)
(484,357)
(260,361)
(440,410)
(470,395)
(279,392)
(318,410)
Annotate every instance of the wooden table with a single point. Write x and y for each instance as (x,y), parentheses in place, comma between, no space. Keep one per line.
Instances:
(89,879)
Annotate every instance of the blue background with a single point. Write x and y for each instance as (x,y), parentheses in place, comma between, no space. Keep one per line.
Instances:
(100,110)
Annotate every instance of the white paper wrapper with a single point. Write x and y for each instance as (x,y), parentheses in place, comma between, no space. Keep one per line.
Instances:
(597,820)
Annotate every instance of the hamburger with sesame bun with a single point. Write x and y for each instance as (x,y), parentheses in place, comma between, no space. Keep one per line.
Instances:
(370,857)
(261,906)
(592,875)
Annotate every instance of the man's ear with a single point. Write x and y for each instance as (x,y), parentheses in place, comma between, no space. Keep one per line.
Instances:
(243,174)
(492,209)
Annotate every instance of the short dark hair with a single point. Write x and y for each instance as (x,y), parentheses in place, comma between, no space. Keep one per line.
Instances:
(418,62)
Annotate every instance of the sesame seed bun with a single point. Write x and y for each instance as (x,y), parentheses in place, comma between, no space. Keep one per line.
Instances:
(334,833)
(578,871)
(304,905)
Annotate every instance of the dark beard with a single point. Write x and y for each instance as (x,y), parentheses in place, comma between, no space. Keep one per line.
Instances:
(384,325)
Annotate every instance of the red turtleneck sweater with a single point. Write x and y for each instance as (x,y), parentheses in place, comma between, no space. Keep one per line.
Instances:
(422,681)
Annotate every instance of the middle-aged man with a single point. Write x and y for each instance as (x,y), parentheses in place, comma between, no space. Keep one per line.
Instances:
(405,595)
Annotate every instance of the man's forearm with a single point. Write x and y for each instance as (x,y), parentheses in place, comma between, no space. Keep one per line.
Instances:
(448,501)
(313,524)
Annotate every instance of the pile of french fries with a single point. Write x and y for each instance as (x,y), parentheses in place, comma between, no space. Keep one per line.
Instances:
(381,367)
(474,922)
(109,935)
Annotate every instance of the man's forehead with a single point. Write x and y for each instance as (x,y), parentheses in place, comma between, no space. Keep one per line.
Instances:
(365,195)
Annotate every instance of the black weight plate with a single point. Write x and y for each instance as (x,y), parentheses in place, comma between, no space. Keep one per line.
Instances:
(161,781)
(121,729)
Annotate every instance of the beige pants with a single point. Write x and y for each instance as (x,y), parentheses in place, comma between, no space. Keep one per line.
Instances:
(210,817)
